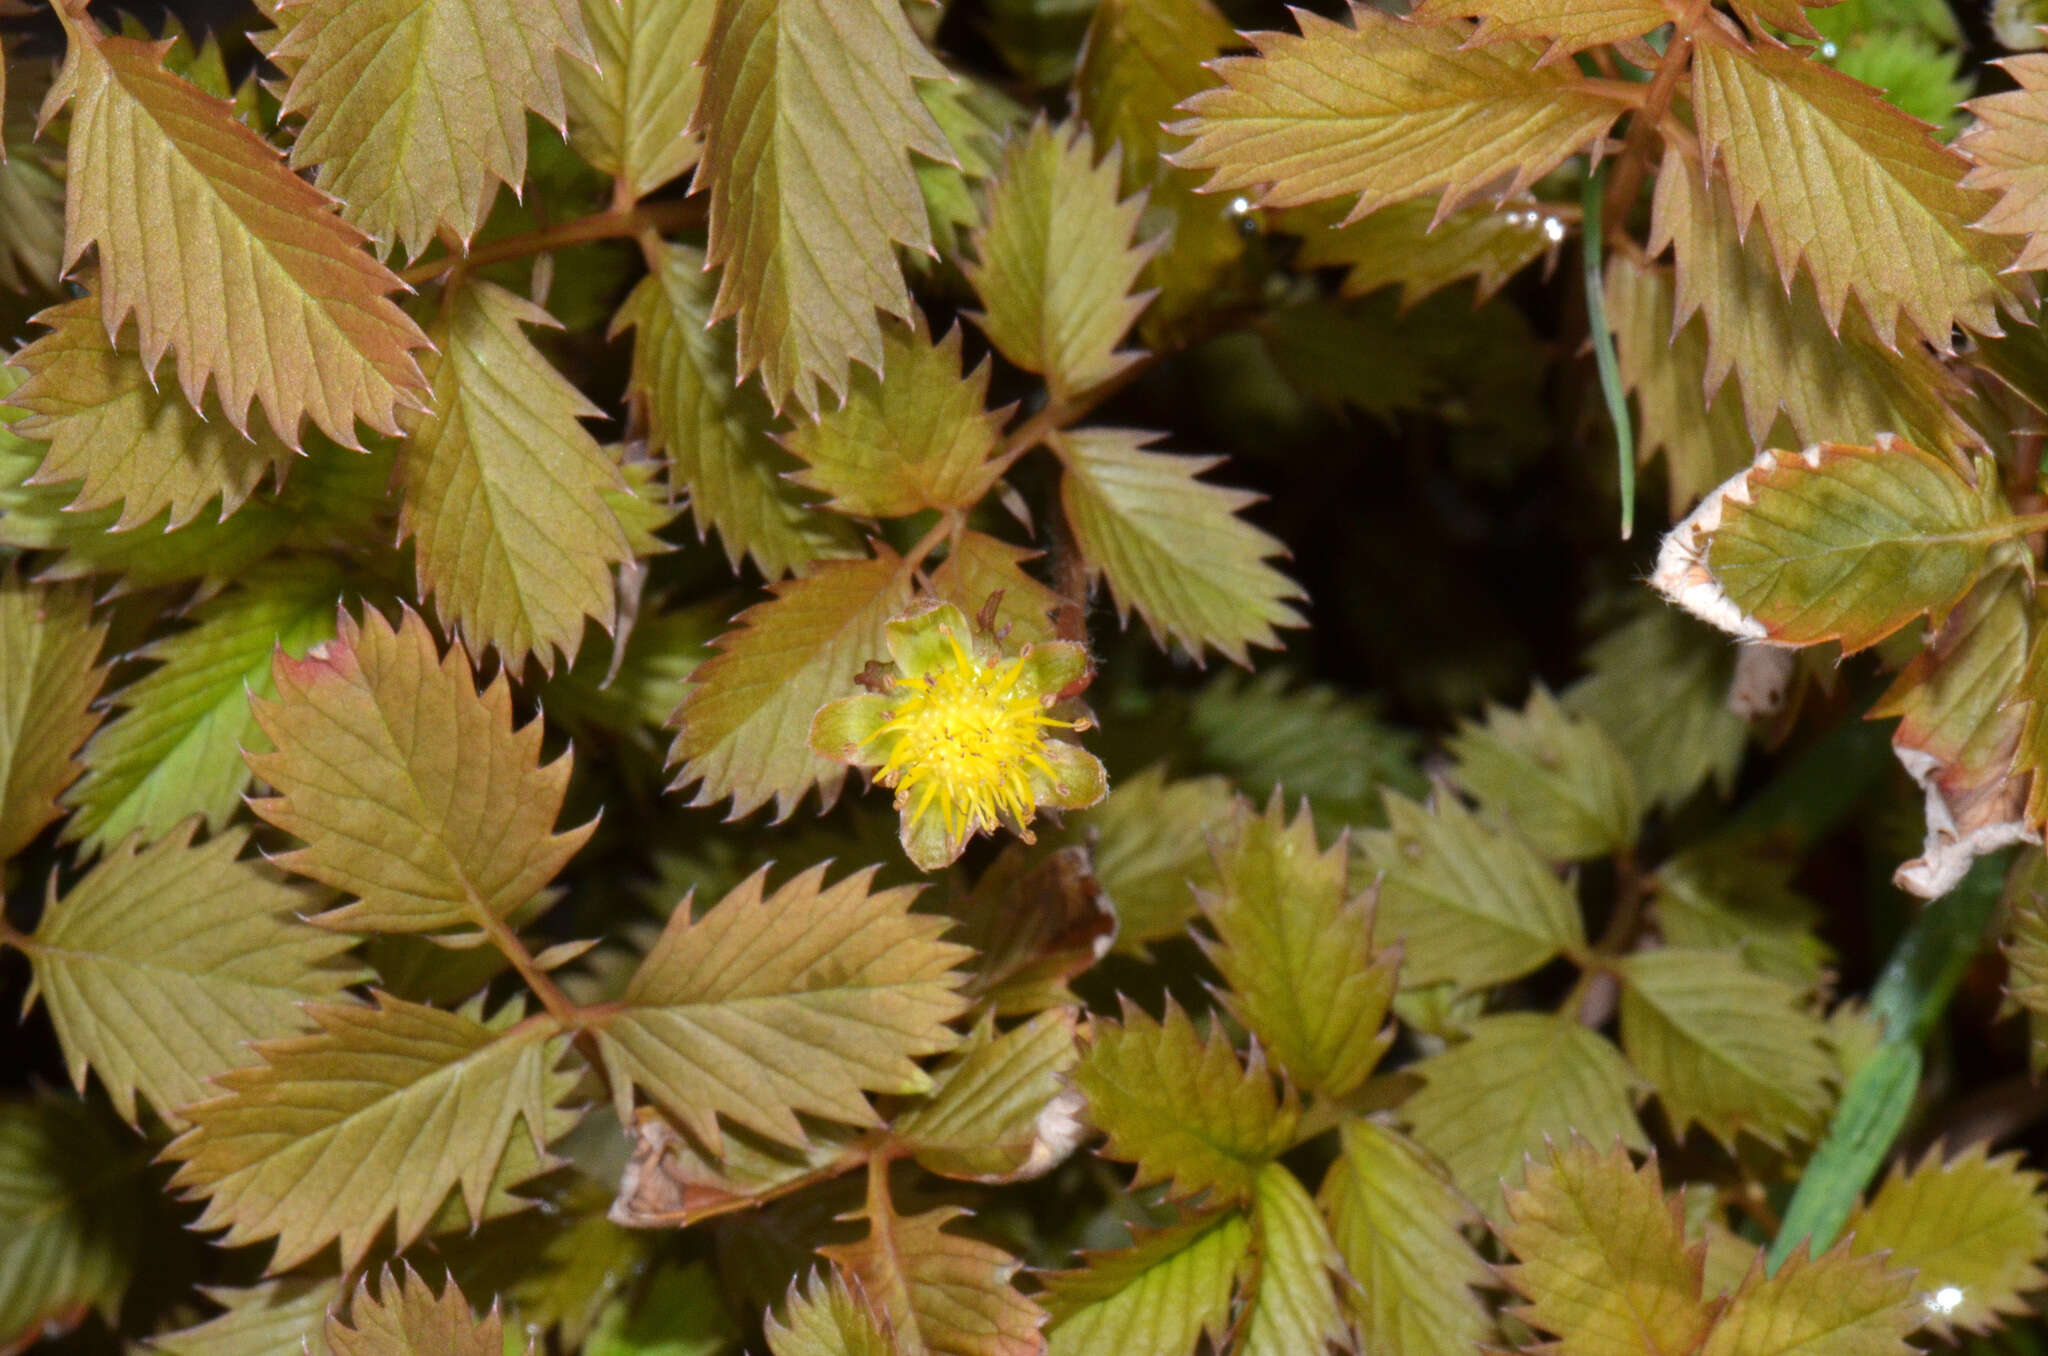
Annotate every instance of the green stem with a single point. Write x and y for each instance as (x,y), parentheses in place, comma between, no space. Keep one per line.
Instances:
(1603,347)
(1908,1000)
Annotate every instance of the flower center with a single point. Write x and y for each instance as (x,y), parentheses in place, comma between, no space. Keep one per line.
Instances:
(966,740)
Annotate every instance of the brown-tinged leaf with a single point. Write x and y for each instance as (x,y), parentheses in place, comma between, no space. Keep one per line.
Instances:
(185,202)
(630,117)
(978,568)
(163,964)
(1000,1109)
(917,436)
(1853,159)
(416,109)
(505,490)
(1398,1222)
(669,1183)
(809,114)
(1056,260)
(1974,1229)
(744,730)
(1172,547)
(373,1118)
(774,1004)
(1159,1296)
(1384,110)
(1602,1256)
(1836,1304)
(2004,146)
(1570,25)
(412,790)
(1520,1078)
(407,1319)
(48,642)
(1405,243)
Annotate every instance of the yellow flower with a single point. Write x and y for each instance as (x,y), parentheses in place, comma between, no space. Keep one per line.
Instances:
(964,734)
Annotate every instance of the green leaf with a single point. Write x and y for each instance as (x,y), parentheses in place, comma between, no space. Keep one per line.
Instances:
(1974,1228)
(1466,904)
(1658,684)
(376,1116)
(408,1318)
(1000,1109)
(1406,243)
(1182,1109)
(1152,850)
(48,680)
(1760,109)
(1172,547)
(744,730)
(918,436)
(68,1196)
(124,433)
(416,109)
(505,491)
(1397,1222)
(1384,110)
(287,1315)
(1158,1297)
(774,1004)
(712,428)
(1833,543)
(976,118)
(1292,1304)
(412,790)
(808,115)
(1556,777)
(1832,1305)
(1521,1078)
(1056,261)
(1732,895)
(162,964)
(1270,734)
(31,192)
(1297,952)
(829,1318)
(1603,1259)
(337,348)
(176,750)
(1725,1047)
(630,117)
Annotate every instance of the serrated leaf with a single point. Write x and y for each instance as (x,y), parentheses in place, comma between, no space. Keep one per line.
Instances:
(1467,905)
(1290,1305)
(123,436)
(1182,1109)
(1974,1229)
(712,428)
(744,730)
(774,1004)
(1832,379)
(917,436)
(1173,547)
(1384,110)
(412,790)
(1035,919)
(1297,952)
(1832,1305)
(1556,777)
(1152,850)
(1602,1256)
(272,1316)
(1397,1222)
(978,568)
(941,1294)
(263,241)
(1055,261)
(48,642)
(829,1318)
(1961,718)
(1571,26)
(2026,952)
(1725,1047)
(31,192)
(374,1118)
(1919,74)
(2004,146)
(1659,686)
(416,109)
(68,1196)
(1857,160)
(999,1109)
(1156,1298)
(670,1183)
(1405,243)
(176,750)
(976,118)
(1834,543)
(1729,894)
(1664,365)
(1268,734)
(1520,1078)
(408,1319)
(162,964)
(631,116)
(809,114)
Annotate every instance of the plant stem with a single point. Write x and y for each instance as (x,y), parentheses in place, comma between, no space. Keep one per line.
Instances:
(610,224)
